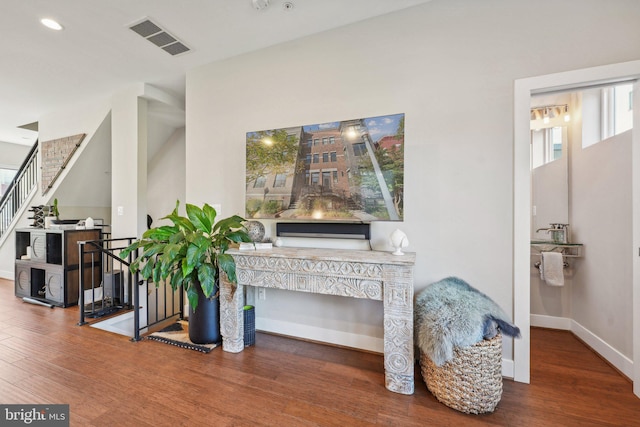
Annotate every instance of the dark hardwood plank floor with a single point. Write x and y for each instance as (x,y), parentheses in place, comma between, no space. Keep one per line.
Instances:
(109,381)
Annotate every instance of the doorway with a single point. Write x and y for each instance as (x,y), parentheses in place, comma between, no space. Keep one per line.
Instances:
(523,91)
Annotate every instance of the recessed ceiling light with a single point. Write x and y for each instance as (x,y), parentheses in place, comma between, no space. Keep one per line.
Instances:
(50,23)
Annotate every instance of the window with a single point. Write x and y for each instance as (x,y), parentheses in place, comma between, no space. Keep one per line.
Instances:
(606,112)
(359,149)
(335,177)
(334,156)
(315,178)
(316,158)
(325,157)
(555,140)
(309,142)
(6,176)
(325,141)
(617,109)
(280,180)
(326,179)
(546,145)
(307,160)
(332,140)
(316,141)
(307,175)
(260,182)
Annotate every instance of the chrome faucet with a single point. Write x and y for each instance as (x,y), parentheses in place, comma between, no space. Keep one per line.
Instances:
(559,232)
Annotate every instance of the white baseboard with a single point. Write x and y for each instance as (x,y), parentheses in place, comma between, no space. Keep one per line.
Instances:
(508,370)
(613,356)
(4,274)
(551,322)
(621,362)
(331,336)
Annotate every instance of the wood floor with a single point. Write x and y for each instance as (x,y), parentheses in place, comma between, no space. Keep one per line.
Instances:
(109,381)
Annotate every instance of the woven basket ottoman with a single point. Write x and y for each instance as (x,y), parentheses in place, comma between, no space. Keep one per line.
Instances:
(471,382)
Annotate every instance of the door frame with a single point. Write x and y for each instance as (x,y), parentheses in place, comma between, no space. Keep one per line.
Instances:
(523,90)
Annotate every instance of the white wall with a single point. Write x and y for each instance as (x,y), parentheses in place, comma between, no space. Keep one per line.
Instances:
(129,162)
(166,177)
(132,140)
(550,196)
(602,218)
(86,118)
(450,67)
(550,192)
(550,199)
(12,155)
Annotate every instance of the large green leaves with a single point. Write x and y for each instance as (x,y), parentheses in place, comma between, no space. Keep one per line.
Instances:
(199,219)
(192,294)
(208,277)
(160,233)
(228,265)
(190,251)
(232,223)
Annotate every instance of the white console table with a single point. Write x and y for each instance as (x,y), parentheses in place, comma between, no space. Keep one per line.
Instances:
(350,273)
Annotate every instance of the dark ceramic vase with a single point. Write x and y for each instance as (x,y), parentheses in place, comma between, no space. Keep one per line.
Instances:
(204,322)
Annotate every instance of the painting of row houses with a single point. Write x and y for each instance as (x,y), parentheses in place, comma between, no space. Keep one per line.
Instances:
(351,170)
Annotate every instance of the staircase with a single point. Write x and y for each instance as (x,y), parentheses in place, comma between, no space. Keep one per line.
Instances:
(119,291)
(19,190)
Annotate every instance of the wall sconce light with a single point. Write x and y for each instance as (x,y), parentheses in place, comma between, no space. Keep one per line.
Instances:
(548,112)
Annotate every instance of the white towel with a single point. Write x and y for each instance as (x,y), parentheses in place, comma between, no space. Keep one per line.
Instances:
(552,268)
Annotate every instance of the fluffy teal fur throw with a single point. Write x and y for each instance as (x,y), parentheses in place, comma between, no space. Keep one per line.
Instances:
(451,313)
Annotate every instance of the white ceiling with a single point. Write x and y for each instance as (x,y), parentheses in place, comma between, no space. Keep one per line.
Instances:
(96,54)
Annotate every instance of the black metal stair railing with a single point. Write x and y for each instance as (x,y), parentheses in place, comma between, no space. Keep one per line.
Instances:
(113,289)
(19,189)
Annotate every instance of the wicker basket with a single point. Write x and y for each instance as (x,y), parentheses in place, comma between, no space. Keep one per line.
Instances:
(471,382)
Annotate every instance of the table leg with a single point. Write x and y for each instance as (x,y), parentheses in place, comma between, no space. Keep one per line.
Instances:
(398,335)
(231,318)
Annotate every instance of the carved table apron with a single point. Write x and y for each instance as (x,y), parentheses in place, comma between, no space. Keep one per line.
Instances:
(351,273)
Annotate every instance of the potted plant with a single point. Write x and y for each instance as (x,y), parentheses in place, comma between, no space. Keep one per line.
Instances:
(191,253)
(55,211)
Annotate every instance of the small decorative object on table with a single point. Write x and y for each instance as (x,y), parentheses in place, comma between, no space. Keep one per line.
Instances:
(255,230)
(255,246)
(398,240)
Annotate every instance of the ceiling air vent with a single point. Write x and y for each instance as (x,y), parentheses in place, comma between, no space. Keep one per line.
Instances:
(159,37)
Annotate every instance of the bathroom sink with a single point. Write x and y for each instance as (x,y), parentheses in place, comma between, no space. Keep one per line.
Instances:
(544,245)
(567,249)
(552,243)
